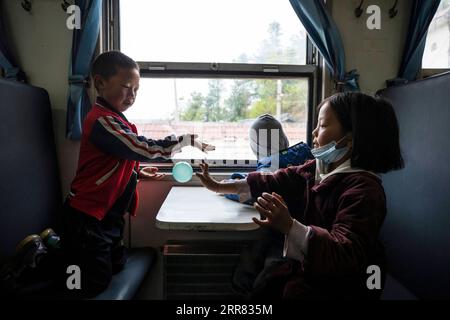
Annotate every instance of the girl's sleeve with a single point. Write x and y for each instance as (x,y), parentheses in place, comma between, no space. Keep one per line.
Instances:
(346,248)
(296,241)
(113,137)
(288,183)
(243,190)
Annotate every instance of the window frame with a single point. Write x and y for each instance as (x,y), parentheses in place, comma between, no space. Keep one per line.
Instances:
(428,72)
(110,40)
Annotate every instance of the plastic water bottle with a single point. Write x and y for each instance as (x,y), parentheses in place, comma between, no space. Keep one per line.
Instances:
(182,172)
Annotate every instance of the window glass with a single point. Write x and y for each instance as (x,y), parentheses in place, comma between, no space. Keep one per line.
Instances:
(220,111)
(437,48)
(249,31)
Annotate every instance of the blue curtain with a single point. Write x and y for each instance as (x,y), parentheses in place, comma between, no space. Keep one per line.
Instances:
(326,37)
(421,16)
(83,45)
(7,61)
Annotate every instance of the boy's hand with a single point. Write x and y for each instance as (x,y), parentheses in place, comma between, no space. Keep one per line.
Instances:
(191,140)
(206,179)
(275,210)
(150,173)
(205,147)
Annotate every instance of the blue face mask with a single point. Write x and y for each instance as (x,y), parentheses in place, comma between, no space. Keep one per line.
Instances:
(328,153)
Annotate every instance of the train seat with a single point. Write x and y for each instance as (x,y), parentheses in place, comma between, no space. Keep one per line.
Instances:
(30,193)
(416,230)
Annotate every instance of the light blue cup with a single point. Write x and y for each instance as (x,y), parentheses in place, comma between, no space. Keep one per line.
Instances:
(182,171)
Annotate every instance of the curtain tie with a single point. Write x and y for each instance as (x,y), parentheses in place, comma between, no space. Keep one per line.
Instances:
(348,83)
(15,73)
(79,80)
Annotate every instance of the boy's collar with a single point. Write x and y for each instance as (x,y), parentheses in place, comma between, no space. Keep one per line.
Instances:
(105,104)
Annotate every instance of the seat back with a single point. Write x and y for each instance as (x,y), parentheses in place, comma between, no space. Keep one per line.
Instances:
(30,193)
(416,232)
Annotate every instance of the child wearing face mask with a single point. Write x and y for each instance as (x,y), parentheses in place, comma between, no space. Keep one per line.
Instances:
(264,131)
(328,212)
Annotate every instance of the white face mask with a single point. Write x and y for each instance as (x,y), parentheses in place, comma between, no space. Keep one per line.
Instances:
(328,153)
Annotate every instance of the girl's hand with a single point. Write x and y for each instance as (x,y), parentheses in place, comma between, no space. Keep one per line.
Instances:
(274,209)
(150,173)
(206,179)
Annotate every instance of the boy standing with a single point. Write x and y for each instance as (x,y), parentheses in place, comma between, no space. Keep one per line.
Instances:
(104,187)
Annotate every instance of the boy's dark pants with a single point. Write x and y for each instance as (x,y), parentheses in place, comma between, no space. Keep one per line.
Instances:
(95,246)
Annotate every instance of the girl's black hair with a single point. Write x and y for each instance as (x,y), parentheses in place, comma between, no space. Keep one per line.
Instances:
(374,128)
(106,64)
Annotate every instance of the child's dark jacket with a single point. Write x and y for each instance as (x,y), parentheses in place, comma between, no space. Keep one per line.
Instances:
(345,212)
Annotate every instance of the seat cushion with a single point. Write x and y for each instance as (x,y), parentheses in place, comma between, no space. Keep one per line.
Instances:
(394,290)
(125,284)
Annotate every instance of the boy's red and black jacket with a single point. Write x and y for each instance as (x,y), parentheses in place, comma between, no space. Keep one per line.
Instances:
(109,158)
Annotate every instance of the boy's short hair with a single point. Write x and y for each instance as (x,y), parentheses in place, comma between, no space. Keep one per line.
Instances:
(374,128)
(107,63)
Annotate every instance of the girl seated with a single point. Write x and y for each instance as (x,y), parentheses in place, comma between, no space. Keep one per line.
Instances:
(328,212)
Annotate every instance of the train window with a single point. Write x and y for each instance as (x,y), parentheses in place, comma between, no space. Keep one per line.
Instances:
(220,111)
(212,31)
(211,67)
(437,48)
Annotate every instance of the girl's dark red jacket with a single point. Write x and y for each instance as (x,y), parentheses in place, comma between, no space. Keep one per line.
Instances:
(345,212)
